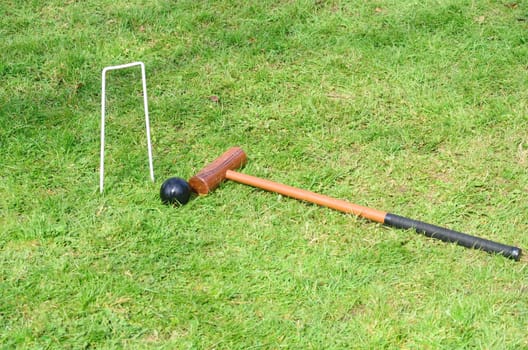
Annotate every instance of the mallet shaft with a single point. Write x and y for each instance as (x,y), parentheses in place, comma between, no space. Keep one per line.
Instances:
(388,219)
(308,196)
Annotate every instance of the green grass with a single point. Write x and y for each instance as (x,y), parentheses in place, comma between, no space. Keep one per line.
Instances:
(415,107)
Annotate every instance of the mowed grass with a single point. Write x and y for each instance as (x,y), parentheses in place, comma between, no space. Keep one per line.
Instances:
(414,107)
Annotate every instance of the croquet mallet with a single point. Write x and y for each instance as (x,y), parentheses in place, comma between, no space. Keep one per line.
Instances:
(222,168)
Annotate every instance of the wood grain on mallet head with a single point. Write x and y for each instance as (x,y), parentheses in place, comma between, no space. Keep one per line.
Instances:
(213,174)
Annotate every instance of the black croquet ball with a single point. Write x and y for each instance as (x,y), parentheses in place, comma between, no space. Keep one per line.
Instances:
(175,191)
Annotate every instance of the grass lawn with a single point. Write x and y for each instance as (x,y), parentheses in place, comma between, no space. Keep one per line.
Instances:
(419,108)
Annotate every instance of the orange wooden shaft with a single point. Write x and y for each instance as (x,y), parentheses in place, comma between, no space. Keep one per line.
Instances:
(297,193)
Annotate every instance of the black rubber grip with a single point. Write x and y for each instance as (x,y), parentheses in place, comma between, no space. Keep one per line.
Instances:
(447,235)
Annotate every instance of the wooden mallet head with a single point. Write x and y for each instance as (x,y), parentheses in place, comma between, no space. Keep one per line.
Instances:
(213,174)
